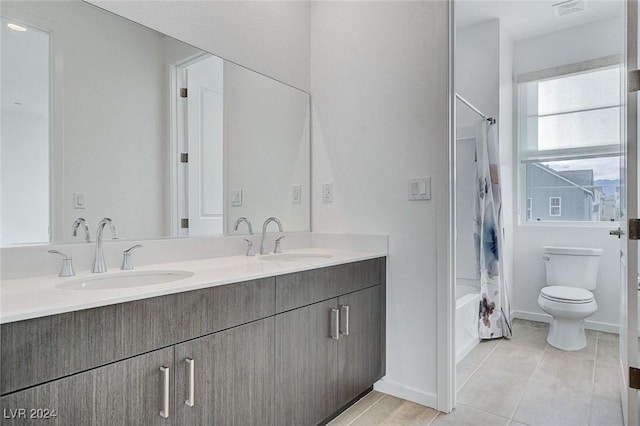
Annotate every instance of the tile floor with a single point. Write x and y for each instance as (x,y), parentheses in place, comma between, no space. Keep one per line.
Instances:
(521,381)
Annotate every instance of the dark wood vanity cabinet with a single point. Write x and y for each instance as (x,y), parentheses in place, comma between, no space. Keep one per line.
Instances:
(328,352)
(129,392)
(360,348)
(233,378)
(259,352)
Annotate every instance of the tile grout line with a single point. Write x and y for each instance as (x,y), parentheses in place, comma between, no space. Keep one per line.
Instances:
(513,413)
(595,361)
(475,370)
(593,378)
(367,409)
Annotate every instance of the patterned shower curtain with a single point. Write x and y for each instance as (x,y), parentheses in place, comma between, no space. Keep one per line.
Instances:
(495,310)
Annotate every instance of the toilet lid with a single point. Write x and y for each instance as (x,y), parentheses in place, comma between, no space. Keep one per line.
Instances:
(567,294)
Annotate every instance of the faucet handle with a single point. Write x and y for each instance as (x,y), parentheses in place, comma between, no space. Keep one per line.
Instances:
(250,251)
(67,264)
(277,248)
(126,258)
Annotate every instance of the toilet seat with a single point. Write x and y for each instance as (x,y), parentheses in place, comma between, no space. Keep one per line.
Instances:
(562,294)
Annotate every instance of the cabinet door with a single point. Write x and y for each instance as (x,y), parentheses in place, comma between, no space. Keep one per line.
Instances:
(306,365)
(130,392)
(360,345)
(232,377)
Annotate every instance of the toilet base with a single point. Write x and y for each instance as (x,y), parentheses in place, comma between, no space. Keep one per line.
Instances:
(567,334)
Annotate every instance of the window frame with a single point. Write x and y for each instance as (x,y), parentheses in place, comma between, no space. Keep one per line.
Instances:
(524,215)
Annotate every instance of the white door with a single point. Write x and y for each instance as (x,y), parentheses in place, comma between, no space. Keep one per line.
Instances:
(629,247)
(204,115)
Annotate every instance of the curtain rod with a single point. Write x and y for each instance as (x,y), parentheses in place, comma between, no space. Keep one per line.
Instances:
(491,120)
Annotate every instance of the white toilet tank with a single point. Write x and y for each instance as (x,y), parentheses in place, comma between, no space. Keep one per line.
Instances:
(572,266)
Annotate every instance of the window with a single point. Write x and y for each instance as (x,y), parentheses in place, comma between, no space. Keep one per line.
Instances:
(554,206)
(569,142)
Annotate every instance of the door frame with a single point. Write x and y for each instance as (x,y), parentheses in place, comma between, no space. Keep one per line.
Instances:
(629,286)
(446,239)
(177,141)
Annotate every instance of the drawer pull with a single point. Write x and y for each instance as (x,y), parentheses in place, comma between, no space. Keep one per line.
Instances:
(344,320)
(192,369)
(335,326)
(165,393)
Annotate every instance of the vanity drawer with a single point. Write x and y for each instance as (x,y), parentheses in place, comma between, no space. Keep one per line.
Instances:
(42,349)
(351,277)
(307,287)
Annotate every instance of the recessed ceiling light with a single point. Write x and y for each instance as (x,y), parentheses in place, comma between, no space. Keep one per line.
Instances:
(16,27)
(568,7)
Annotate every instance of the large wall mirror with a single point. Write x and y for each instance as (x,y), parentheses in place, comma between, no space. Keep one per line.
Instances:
(102,117)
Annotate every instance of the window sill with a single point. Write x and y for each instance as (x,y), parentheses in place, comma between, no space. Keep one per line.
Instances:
(560,224)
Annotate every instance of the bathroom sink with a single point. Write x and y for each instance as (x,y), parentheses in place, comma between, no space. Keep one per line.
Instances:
(124,280)
(294,257)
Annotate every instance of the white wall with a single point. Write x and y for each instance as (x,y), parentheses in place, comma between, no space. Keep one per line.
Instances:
(379,84)
(582,43)
(477,74)
(267,158)
(270,37)
(590,41)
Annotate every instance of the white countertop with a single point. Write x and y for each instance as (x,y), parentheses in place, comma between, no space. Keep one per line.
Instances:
(34,297)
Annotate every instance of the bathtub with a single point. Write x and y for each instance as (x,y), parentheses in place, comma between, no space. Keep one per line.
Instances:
(466,322)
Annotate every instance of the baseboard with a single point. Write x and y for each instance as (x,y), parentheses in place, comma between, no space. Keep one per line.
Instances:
(405,392)
(463,352)
(589,325)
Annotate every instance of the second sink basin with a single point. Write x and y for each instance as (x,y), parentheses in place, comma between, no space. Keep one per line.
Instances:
(124,280)
(294,257)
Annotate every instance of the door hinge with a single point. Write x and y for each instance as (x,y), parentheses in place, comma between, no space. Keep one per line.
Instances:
(184,157)
(183,92)
(634,81)
(634,378)
(634,229)
(184,223)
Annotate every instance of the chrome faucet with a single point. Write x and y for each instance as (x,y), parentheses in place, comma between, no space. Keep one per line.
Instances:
(263,244)
(245,220)
(81,222)
(99,264)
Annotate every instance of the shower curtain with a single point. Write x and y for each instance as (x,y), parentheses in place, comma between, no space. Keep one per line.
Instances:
(495,310)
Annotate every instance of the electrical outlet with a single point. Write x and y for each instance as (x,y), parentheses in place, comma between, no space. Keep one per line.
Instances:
(296,194)
(327,192)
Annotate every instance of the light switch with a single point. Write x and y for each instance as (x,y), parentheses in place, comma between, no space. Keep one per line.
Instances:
(79,200)
(236,198)
(420,189)
(296,194)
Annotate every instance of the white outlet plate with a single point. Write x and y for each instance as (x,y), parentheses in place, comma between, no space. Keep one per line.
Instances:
(327,192)
(296,194)
(236,198)
(420,189)
(79,200)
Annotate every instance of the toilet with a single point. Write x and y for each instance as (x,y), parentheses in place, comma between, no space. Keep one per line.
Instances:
(571,275)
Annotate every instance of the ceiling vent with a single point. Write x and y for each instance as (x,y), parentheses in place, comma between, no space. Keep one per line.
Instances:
(568,7)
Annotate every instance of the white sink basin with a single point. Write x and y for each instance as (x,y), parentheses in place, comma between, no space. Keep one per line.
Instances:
(294,257)
(124,280)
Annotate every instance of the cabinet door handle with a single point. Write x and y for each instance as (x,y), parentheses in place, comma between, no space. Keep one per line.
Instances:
(335,326)
(344,320)
(192,370)
(165,393)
